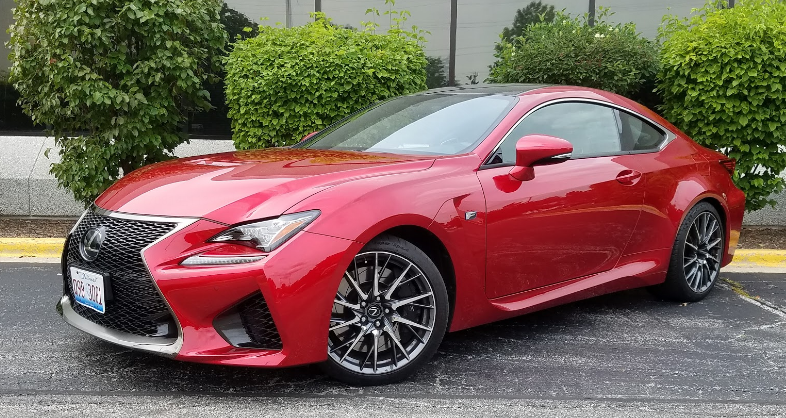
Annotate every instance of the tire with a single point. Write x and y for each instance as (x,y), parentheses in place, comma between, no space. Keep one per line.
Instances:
(403,319)
(696,256)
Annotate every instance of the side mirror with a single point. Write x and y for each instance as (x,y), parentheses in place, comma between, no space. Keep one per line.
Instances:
(309,136)
(533,150)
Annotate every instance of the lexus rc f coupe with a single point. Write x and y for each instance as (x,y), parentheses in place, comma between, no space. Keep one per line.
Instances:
(362,245)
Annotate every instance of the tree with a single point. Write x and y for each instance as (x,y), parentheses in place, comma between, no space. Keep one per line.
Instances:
(215,121)
(533,13)
(113,79)
(237,24)
(435,73)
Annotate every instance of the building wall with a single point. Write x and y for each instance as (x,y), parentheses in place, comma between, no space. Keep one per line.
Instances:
(479,21)
(479,25)
(6,18)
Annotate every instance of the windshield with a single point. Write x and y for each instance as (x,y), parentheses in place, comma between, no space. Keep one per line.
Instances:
(441,124)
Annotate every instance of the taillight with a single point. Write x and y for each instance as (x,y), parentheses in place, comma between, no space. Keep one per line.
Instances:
(729,164)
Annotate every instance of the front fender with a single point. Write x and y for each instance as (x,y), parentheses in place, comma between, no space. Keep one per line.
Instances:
(437,200)
(362,209)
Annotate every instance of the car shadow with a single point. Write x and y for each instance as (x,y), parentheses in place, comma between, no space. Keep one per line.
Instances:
(482,346)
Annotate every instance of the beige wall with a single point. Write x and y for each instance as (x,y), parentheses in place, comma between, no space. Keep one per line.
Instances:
(5,20)
(479,21)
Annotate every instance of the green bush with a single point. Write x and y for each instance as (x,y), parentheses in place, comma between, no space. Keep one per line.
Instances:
(570,51)
(285,83)
(723,81)
(113,79)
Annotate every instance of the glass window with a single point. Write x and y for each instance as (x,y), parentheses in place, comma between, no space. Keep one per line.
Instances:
(638,135)
(441,124)
(592,129)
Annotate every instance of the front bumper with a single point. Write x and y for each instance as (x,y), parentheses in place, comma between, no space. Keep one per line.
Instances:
(298,282)
(164,346)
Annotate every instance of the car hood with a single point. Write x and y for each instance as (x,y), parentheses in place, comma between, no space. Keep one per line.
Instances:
(245,185)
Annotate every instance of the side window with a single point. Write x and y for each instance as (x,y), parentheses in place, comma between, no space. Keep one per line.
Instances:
(638,135)
(592,129)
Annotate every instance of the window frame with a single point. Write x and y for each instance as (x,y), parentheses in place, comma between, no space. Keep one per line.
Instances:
(669,136)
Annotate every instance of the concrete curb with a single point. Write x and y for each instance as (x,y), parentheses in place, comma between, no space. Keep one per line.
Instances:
(31,247)
(760,258)
(51,248)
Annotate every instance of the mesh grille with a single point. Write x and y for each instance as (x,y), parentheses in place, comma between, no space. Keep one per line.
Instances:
(133,304)
(258,323)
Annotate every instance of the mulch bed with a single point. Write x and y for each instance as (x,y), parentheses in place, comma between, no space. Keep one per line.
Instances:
(753,238)
(35,228)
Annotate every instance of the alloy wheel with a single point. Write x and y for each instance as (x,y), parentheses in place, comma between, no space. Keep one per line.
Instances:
(702,252)
(383,314)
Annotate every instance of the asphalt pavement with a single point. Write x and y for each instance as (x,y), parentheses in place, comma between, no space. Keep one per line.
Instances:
(625,354)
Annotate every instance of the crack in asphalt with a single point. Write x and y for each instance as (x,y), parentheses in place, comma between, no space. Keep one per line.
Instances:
(739,289)
(512,397)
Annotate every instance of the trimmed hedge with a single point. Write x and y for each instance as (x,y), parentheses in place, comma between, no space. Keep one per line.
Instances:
(570,51)
(723,82)
(286,83)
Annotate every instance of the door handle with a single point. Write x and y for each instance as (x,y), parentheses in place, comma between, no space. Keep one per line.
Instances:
(628,177)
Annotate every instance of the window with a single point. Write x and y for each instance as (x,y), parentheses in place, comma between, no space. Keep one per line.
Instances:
(592,129)
(638,135)
(440,124)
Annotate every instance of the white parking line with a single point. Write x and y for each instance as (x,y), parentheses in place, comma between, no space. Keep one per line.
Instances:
(761,303)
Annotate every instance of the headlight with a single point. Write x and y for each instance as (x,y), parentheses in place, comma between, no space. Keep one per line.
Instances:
(270,234)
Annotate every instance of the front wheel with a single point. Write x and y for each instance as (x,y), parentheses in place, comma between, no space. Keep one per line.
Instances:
(389,315)
(696,257)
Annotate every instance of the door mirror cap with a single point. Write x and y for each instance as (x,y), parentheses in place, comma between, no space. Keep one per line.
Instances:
(533,150)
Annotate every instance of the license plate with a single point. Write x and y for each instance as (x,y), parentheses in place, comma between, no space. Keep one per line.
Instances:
(88,289)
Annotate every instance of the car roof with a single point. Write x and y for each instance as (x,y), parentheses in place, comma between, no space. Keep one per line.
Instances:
(499,89)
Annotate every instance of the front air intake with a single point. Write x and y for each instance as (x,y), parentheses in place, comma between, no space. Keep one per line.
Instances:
(249,324)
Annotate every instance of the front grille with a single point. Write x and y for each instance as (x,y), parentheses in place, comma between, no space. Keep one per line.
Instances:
(133,303)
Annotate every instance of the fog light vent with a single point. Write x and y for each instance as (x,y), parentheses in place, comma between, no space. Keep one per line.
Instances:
(249,324)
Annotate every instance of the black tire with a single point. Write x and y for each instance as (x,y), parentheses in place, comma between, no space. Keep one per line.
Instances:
(398,252)
(682,283)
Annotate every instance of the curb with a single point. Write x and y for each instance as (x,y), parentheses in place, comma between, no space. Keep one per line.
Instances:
(759,258)
(15,248)
(31,247)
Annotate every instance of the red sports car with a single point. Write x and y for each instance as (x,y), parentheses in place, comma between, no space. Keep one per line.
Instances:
(361,246)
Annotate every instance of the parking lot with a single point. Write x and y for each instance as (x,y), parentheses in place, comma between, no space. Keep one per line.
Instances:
(617,355)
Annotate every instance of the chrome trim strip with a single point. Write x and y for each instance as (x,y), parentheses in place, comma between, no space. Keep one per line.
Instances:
(73,228)
(566,155)
(169,348)
(172,347)
(669,134)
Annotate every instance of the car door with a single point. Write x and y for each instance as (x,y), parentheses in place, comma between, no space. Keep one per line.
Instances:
(574,218)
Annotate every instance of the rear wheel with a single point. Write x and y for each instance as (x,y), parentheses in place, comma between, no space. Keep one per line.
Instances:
(696,257)
(389,314)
